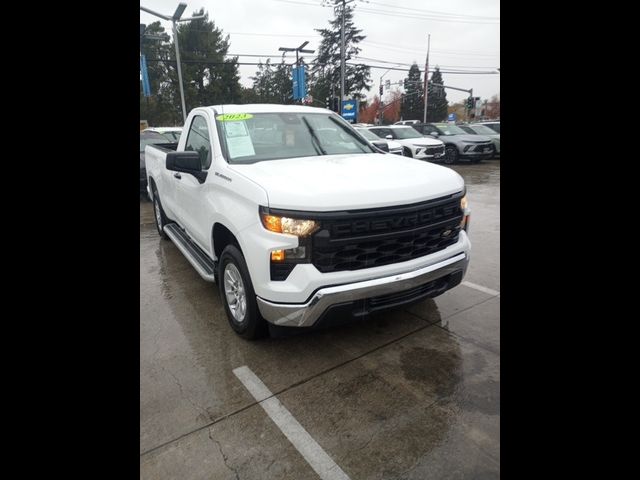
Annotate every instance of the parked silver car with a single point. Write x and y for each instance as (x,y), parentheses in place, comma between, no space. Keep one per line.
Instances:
(458,144)
(480,129)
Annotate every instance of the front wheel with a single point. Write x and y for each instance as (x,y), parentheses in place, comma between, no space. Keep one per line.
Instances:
(406,151)
(450,155)
(238,295)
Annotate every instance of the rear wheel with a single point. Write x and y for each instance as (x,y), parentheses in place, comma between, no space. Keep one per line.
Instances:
(238,295)
(450,154)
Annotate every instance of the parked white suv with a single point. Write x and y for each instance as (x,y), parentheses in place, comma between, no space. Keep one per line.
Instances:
(414,143)
(297,216)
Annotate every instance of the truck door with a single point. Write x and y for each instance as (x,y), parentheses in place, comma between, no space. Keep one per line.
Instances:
(189,191)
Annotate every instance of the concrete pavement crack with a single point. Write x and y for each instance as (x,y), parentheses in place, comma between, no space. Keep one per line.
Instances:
(224,457)
(186,397)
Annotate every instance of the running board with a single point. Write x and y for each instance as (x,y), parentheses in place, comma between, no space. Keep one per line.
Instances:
(194,254)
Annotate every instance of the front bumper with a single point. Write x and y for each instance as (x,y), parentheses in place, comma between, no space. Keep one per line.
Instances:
(307,314)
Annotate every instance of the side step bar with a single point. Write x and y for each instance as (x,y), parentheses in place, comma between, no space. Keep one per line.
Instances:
(196,256)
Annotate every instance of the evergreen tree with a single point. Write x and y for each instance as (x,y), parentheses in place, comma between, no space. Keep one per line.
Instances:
(208,77)
(413,102)
(437,105)
(159,109)
(273,85)
(325,75)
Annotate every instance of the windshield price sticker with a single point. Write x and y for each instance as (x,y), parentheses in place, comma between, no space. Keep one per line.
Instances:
(233,117)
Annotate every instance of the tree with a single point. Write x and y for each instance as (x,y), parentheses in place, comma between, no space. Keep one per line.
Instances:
(273,85)
(459,108)
(208,77)
(369,110)
(325,75)
(493,107)
(413,103)
(160,108)
(391,114)
(436,99)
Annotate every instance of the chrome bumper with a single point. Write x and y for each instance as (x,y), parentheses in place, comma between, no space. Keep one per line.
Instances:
(306,314)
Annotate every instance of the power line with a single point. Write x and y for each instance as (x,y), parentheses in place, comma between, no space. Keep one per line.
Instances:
(215,62)
(433,12)
(402,15)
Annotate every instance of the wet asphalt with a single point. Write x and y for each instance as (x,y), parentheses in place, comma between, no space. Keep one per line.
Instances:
(410,393)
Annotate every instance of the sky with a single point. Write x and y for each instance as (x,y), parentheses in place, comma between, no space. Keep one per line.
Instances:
(465,35)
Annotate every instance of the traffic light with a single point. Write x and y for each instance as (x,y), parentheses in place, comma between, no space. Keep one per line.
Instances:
(335,104)
(327,103)
(381,90)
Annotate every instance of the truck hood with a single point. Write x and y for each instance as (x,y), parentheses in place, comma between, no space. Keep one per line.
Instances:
(347,182)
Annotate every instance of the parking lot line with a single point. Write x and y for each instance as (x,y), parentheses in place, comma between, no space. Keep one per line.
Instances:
(313,453)
(490,291)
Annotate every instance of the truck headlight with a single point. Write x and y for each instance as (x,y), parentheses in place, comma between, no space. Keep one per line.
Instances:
(292,226)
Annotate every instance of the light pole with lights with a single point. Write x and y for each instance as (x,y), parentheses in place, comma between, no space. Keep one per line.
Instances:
(174,20)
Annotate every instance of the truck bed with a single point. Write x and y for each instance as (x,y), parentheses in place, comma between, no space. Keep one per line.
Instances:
(165,147)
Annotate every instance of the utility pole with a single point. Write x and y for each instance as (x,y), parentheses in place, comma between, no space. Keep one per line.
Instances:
(174,20)
(426,79)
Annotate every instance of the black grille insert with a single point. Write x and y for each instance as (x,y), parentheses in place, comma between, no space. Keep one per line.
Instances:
(374,238)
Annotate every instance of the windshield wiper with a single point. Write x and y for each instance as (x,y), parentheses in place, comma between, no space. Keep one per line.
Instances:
(314,137)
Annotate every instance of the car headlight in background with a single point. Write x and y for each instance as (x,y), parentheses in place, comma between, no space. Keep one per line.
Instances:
(292,226)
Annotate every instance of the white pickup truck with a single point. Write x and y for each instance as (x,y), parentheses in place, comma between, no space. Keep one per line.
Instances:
(299,218)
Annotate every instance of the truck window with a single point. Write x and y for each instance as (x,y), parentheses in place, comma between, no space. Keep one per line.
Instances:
(198,140)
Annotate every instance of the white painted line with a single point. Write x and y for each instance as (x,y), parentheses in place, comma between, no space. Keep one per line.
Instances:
(313,453)
(481,288)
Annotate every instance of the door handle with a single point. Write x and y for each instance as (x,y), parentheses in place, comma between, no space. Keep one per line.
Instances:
(177,175)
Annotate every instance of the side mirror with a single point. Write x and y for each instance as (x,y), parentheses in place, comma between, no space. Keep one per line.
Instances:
(186,162)
(434,134)
(389,137)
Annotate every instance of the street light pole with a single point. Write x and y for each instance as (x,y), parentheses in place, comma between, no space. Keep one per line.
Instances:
(175,39)
(174,20)
(298,50)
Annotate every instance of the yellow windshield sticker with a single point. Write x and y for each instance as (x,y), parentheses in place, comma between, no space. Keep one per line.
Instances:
(233,117)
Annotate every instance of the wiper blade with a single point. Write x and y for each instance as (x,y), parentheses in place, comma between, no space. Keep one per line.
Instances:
(314,137)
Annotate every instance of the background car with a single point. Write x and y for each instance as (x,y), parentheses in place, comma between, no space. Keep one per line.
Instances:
(172,134)
(492,124)
(391,146)
(407,122)
(147,137)
(480,129)
(458,144)
(413,144)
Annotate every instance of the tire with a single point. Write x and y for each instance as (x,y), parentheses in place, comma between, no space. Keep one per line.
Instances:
(450,154)
(158,214)
(406,151)
(234,281)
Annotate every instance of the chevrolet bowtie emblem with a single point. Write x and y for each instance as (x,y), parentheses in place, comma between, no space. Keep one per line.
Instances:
(348,106)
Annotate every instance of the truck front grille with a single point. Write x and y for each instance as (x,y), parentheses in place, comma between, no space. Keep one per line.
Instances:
(376,237)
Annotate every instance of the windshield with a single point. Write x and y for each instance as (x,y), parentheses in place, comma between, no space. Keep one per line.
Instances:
(494,126)
(408,132)
(150,138)
(447,129)
(369,135)
(483,130)
(254,137)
